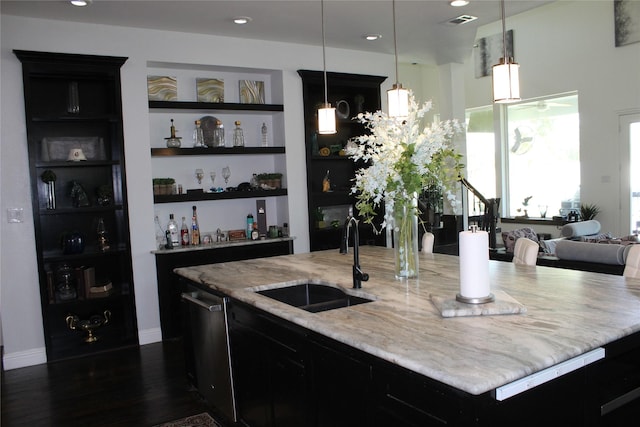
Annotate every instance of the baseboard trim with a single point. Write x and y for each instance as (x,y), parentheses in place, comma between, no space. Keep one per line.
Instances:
(22,359)
(38,356)
(149,336)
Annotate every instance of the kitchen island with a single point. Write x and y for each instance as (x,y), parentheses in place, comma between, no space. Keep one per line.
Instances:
(568,314)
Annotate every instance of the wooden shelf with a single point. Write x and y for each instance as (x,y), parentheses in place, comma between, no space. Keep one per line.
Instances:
(225,195)
(215,151)
(215,106)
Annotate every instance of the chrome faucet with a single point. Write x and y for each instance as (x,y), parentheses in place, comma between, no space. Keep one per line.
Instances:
(358,275)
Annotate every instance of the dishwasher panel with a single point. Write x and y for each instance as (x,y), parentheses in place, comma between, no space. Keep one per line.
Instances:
(210,339)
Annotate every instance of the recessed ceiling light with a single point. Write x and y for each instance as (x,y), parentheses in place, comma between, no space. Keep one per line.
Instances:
(372,37)
(241,20)
(458,3)
(80,3)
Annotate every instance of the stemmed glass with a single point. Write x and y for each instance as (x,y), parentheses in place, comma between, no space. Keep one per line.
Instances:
(212,175)
(226,173)
(199,175)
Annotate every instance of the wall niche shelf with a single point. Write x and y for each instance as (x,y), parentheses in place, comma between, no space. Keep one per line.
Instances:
(214,106)
(215,151)
(225,195)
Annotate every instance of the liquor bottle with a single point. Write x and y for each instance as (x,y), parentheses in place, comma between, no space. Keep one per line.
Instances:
(195,229)
(103,237)
(174,232)
(263,131)
(198,136)
(184,233)
(249,225)
(238,136)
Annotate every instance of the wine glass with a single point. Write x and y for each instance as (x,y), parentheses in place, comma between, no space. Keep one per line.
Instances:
(226,173)
(212,175)
(199,175)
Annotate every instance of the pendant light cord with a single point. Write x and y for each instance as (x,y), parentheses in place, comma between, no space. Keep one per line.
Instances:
(504,32)
(395,40)
(324,58)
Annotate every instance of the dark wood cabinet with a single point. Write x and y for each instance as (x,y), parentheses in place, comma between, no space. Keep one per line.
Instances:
(350,94)
(79,201)
(289,375)
(169,287)
(270,362)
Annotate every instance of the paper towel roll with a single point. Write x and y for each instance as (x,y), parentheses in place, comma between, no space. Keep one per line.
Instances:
(474,264)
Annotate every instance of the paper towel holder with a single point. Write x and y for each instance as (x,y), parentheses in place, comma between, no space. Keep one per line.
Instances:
(476,300)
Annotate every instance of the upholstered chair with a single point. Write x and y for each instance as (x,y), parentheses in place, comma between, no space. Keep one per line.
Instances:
(632,265)
(427,242)
(525,252)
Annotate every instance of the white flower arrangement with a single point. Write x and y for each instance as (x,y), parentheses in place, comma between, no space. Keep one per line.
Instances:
(402,159)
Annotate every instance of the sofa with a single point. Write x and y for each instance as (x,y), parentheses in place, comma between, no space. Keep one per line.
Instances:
(580,247)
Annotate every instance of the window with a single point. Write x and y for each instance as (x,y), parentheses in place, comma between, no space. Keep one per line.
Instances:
(541,157)
(480,162)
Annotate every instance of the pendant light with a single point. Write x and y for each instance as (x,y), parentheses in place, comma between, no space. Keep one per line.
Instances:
(326,114)
(397,96)
(506,82)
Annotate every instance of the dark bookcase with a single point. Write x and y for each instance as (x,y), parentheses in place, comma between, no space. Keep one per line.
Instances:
(350,94)
(86,284)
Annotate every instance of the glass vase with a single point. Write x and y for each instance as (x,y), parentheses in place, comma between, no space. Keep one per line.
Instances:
(405,238)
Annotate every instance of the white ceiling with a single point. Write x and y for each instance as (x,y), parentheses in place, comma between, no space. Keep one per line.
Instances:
(423,33)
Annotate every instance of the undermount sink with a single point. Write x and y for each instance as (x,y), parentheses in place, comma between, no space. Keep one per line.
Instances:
(313,297)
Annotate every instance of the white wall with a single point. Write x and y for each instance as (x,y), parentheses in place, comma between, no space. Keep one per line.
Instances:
(569,46)
(562,47)
(22,323)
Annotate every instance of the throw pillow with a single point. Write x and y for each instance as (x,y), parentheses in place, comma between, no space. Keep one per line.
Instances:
(509,237)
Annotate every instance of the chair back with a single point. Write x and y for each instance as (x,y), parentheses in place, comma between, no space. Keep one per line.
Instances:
(525,252)
(427,242)
(632,265)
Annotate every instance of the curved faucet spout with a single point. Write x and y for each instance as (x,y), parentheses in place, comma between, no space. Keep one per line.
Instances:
(358,275)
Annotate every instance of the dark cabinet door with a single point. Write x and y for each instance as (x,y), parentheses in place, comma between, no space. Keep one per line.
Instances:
(342,387)
(270,370)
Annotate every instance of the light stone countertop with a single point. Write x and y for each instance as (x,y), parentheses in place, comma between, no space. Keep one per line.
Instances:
(568,312)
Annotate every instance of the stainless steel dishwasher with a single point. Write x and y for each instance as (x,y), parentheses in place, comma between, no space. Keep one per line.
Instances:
(210,340)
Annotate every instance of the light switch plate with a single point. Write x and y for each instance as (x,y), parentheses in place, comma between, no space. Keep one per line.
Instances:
(15,215)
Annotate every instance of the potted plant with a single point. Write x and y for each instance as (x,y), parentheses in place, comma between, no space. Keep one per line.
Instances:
(589,211)
(269,181)
(163,186)
(319,217)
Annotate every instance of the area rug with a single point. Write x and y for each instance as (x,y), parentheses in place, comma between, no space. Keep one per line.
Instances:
(200,420)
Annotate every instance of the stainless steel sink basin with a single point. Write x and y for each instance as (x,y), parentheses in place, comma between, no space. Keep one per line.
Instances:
(313,297)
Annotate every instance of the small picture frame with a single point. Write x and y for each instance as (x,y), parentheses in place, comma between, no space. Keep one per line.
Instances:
(162,88)
(237,235)
(210,90)
(251,92)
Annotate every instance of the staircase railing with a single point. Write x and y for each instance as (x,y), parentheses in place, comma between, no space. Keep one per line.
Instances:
(488,220)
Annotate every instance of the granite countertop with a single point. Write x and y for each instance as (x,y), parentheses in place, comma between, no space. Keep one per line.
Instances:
(568,312)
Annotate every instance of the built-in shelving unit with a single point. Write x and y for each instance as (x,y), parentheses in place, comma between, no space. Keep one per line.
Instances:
(225,207)
(350,94)
(86,285)
(220,205)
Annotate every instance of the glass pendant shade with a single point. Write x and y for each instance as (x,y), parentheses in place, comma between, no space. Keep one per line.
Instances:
(398,99)
(326,120)
(506,82)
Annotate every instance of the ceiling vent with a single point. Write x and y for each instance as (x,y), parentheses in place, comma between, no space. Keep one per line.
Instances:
(462,19)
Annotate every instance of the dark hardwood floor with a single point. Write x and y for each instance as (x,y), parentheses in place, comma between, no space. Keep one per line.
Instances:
(132,387)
